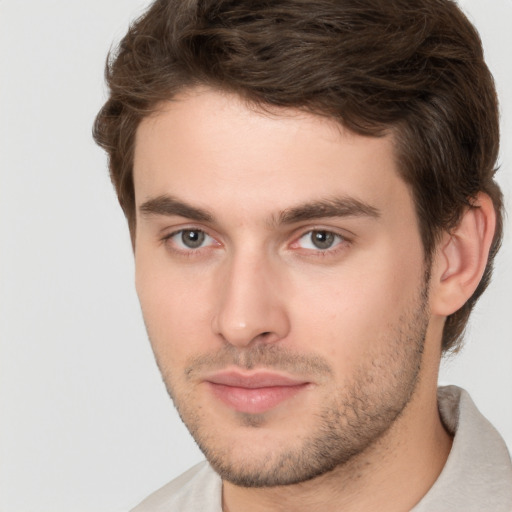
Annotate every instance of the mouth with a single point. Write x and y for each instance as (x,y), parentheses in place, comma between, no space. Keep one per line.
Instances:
(254,393)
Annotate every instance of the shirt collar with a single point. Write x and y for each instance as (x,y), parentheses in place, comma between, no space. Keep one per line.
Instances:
(478,472)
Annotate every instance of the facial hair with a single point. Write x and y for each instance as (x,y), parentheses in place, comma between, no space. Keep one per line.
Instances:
(351,419)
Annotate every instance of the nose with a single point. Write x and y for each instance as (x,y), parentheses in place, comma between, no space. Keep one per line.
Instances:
(251,304)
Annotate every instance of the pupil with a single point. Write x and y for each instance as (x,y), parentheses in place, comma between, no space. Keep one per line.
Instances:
(193,239)
(323,239)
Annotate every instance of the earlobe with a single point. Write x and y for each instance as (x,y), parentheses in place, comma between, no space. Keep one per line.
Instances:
(461,257)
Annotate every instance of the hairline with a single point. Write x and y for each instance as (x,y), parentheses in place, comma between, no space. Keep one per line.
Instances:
(260,106)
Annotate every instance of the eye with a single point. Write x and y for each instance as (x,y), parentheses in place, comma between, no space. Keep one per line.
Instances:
(319,240)
(189,239)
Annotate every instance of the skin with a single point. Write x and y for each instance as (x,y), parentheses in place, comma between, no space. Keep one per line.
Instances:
(359,320)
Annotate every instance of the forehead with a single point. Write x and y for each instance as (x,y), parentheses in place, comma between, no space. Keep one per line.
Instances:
(212,147)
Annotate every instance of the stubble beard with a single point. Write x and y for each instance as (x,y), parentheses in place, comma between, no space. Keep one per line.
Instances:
(353,418)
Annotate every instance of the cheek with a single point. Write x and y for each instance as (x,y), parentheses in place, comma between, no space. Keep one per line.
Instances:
(351,314)
(175,308)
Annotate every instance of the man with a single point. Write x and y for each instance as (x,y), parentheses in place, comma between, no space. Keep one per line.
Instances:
(309,190)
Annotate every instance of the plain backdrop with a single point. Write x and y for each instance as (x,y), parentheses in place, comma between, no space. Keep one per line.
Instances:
(85,422)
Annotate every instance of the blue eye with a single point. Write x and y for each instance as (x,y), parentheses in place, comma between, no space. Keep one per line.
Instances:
(319,240)
(188,239)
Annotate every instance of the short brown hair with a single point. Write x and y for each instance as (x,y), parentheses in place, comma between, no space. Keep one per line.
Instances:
(413,67)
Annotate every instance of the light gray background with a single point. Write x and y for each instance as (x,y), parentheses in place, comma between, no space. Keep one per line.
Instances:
(85,423)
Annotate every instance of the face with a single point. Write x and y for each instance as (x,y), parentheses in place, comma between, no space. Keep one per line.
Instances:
(281,276)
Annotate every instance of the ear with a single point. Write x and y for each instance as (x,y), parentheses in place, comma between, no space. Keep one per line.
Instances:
(461,257)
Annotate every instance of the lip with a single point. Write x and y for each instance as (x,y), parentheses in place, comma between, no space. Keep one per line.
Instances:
(254,393)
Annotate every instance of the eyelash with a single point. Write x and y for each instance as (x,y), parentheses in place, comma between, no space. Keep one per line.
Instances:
(190,252)
(342,242)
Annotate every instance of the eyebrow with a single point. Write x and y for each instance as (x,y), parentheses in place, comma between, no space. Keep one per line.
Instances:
(333,207)
(169,206)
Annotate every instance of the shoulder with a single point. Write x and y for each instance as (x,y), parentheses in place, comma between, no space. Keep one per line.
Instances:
(478,473)
(199,488)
